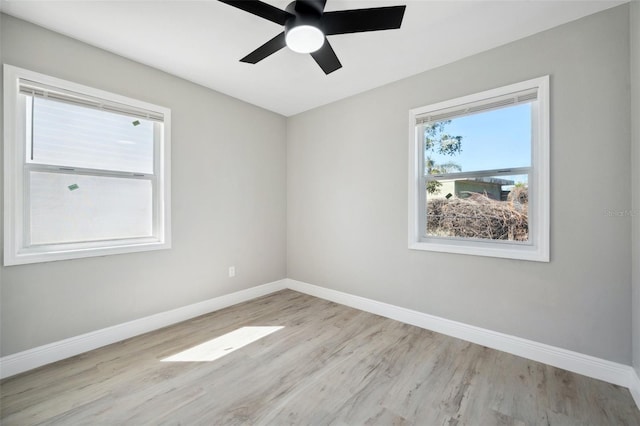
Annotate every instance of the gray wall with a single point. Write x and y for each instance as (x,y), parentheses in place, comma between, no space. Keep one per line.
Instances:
(347,196)
(635,167)
(229,208)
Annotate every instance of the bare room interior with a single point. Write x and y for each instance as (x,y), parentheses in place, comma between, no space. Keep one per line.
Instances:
(313,212)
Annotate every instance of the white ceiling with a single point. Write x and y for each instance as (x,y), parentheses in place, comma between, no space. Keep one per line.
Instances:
(202,41)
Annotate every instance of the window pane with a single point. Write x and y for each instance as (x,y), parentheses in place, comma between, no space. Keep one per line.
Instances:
(75,208)
(74,136)
(493,208)
(491,140)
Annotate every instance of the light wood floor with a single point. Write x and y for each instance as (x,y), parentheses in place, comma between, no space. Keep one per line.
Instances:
(330,364)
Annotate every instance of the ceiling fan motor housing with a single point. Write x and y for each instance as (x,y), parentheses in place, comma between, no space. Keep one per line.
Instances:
(302,29)
(307,16)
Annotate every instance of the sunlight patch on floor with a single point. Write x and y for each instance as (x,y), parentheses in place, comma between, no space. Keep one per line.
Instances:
(223,345)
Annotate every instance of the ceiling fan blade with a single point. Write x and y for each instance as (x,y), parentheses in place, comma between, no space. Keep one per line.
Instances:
(260,9)
(269,48)
(361,20)
(312,7)
(326,58)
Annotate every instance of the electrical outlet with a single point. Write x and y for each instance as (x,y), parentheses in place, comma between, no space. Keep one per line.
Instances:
(232,271)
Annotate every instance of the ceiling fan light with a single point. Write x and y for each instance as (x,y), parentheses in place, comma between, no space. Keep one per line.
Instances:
(304,38)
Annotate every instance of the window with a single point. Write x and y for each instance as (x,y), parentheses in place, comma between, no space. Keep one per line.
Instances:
(479,173)
(86,171)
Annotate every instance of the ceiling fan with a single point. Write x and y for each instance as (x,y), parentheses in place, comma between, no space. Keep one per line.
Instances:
(306,26)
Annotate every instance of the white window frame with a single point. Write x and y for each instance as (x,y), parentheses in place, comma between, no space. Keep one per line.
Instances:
(16,167)
(537,248)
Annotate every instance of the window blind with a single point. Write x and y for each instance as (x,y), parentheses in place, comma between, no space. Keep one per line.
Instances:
(475,107)
(69,135)
(39,90)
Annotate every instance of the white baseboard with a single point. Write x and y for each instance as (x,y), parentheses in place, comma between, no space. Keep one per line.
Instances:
(612,372)
(634,387)
(597,368)
(46,354)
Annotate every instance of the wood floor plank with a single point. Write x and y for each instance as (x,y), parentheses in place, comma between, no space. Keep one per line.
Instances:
(327,365)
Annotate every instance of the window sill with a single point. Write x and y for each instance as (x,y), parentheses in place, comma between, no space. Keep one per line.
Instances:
(488,249)
(38,254)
